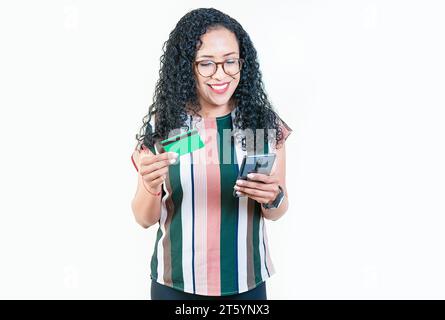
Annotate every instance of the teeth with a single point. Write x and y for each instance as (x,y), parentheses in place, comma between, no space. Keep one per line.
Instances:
(219,87)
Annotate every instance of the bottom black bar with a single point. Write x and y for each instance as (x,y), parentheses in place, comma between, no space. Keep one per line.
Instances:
(268,309)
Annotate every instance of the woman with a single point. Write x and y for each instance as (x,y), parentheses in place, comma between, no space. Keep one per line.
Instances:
(210,244)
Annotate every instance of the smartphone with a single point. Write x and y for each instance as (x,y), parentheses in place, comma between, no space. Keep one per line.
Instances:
(257,163)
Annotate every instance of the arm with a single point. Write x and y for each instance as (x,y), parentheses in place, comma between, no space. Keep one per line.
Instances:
(280,173)
(264,188)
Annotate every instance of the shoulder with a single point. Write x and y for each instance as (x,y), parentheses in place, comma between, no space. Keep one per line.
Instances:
(285,129)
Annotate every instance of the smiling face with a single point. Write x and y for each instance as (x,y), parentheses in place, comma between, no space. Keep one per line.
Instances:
(218,45)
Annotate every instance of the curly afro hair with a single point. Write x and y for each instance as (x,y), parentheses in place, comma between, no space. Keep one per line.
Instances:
(176,94)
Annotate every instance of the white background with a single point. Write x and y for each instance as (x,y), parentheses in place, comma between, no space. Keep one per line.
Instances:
(360,82)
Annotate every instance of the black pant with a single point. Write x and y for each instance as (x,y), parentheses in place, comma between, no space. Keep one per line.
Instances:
(163,292)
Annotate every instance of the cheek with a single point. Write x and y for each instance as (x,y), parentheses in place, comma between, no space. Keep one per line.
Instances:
(201,84)
(203,88)
(235,84)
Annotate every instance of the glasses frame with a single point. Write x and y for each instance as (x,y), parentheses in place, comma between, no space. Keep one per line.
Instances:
(240,61)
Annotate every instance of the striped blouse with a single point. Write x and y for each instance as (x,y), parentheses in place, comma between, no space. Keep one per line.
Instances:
(208,241)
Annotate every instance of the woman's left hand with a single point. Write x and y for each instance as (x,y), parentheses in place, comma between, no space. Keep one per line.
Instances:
(260,187)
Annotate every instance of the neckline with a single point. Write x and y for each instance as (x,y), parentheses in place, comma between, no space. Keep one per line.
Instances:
(220,117)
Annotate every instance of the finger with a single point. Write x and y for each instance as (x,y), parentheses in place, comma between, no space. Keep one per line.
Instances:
(256,192)
(258,199)
(156,174)
(146,169)
(155,183)
(256,185)
(261,177)
(147,159)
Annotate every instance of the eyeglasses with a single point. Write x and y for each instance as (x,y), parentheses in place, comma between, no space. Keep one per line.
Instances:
(231,67)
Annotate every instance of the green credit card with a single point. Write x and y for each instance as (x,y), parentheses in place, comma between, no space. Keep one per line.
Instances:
(183,143)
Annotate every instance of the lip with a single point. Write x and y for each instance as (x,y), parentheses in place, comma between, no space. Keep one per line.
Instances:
(219,91)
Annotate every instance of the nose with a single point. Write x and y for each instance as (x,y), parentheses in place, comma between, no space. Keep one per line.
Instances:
(219,74)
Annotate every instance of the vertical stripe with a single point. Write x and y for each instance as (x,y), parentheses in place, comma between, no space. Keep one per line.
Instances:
(213,182)
(264,272)
(193,227)
(154,258)
(242,244)
(200,236)
(269,264)
(256,242)
(229,213)
(193,216)
(173,261)
(167,276)
(187,219)
(160,251)
(242,224)
(163,233)
(268,261)
(250,244)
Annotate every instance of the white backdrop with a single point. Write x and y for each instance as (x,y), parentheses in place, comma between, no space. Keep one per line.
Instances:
(360,82)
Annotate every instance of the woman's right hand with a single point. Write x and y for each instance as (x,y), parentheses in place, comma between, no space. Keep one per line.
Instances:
(154,168)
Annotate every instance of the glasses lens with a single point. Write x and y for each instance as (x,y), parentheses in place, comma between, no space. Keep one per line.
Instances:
(206,68)
(232,66)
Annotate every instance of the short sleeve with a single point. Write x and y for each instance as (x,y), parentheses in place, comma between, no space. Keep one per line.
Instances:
(285,129)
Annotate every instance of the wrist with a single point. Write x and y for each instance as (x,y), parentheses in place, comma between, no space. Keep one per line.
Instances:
(275,203)
(276,195)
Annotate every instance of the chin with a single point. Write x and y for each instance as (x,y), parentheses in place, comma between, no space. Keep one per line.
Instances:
(219,101)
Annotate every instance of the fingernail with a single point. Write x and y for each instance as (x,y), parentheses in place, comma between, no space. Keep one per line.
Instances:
(238,193)
(172,161)
(251,175)
(174,154)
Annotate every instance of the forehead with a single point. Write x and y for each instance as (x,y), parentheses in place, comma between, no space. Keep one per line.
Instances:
(217,43)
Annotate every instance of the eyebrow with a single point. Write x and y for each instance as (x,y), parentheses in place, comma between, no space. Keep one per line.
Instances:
(208,56)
